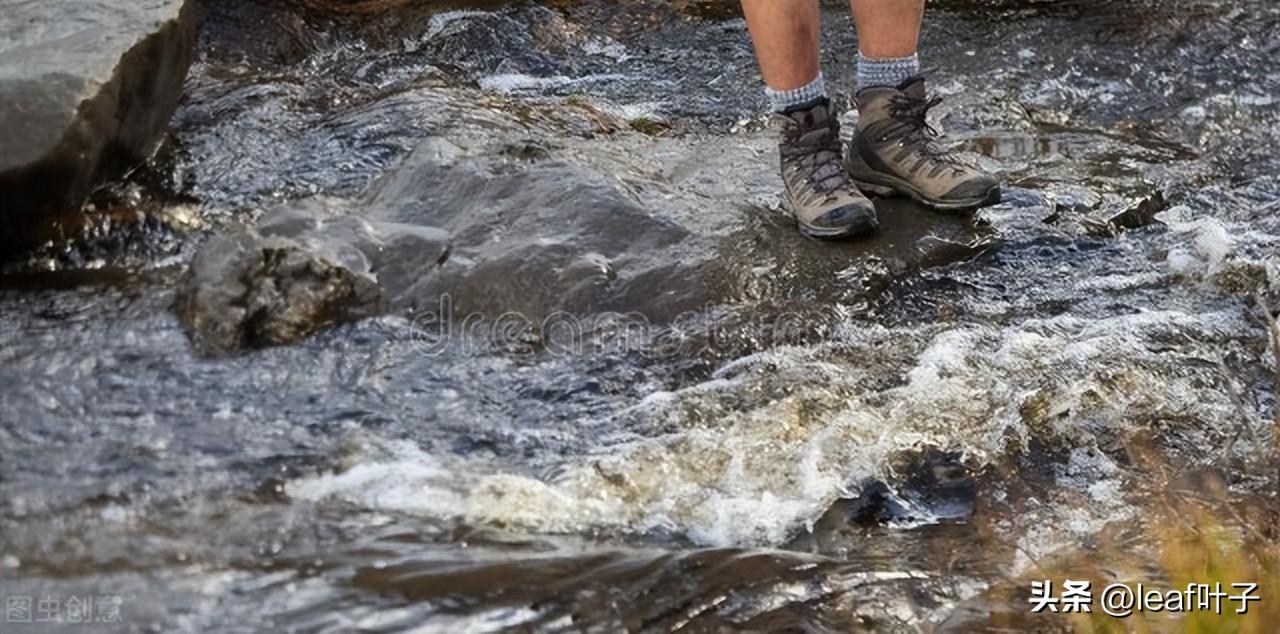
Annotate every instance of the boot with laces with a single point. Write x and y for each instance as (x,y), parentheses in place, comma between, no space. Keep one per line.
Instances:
(819,193)
(895,151)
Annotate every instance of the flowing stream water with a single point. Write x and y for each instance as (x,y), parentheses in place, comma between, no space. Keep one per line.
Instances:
(726,425)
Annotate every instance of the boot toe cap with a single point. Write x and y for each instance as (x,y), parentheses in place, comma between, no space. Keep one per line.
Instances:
(846,220)
(983,190)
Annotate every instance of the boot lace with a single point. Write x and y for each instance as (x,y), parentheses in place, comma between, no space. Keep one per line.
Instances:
(818,154)
(915,131)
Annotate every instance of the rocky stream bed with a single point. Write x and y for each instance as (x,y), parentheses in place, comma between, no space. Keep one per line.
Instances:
(480,316)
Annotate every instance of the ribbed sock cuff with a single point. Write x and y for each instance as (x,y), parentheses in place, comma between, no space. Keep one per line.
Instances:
(886,71)
(784,100)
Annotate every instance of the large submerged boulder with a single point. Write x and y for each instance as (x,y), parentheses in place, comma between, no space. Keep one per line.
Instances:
(543,240)
(86,91)
(487,246)
(450,237)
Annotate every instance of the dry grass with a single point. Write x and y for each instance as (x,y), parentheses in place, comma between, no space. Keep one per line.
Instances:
(1211,540)
(1196,548)
(1273,336)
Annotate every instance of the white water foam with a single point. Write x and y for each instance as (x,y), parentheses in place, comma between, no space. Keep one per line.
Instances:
(519,82)
(756,473)
(443,20)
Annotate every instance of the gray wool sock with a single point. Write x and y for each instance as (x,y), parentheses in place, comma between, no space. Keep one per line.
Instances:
(787,100)
(886,71)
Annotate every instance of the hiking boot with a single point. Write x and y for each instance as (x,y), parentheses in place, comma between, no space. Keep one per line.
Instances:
(819,193)
(895,151)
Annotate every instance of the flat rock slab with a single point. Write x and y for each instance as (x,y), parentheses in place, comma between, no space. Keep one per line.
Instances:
(548,241)
(449,238)
(87,88)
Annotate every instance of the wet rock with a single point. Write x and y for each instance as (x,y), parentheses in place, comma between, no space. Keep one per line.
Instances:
(1118,214)
(443,234)
(514,44)
(86,91)
(301,270)
(1072,198)
(547,239)
(262,32)
(1080,210)
(357,7)
(1140,215)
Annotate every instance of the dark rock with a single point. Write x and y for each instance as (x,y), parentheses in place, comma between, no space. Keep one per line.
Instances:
(301,271)
(451,235)
(547,241)
(519,41)
(550,239)
(1140,215)
(351,7)
(86,92)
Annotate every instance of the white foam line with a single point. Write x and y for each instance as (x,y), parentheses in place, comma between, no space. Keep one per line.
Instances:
(440,21)
(515,82)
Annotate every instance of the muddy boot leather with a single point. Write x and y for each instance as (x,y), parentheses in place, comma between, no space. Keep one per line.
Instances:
(819,193)
(894,151)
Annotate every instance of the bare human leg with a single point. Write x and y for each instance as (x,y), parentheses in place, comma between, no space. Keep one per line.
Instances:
(888,28)
(894,151)
(818,191)
(786,36)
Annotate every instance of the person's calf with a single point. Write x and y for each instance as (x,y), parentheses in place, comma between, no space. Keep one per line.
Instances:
(785,34)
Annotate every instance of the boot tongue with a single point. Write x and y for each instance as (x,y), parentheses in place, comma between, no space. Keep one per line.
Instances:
(812,117)
(812,114)
(913,87)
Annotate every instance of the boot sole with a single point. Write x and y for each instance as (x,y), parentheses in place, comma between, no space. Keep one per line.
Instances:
(863,227)
(853,231)
(890,186)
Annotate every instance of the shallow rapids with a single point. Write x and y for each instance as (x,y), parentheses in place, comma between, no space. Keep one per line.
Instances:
(725,425)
